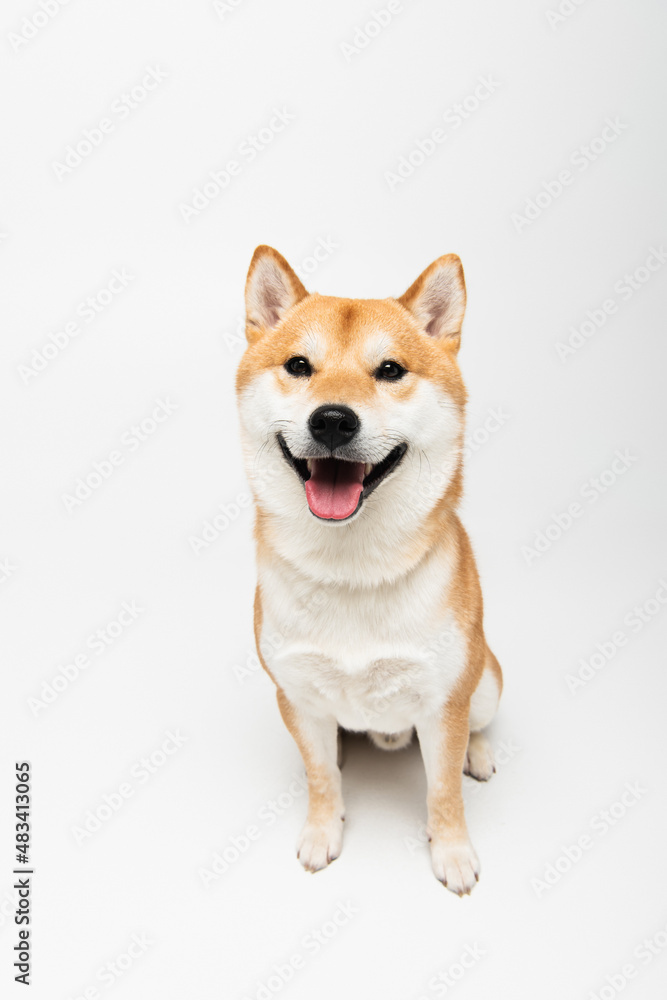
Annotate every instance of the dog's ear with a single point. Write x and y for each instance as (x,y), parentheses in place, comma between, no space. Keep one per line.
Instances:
(437,299)
(271,289)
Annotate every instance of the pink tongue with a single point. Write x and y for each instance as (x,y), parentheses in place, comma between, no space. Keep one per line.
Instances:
(334,487)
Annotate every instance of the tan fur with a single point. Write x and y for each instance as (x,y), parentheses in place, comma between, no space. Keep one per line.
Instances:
(344,341)
(445,799)
(345,324)
(494,667)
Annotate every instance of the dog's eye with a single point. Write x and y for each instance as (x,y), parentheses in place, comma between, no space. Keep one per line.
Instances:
(390,370)
(298,366)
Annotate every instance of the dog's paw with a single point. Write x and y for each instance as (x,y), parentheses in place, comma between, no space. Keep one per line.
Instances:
(320,843)
(479,758)
(455,865)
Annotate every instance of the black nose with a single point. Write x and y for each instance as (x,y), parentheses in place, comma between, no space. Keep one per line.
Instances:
(333,425)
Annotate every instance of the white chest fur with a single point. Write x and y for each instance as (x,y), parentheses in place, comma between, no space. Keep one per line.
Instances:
(378,658)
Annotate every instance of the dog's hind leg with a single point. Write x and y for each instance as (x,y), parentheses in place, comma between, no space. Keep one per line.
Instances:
(483,705)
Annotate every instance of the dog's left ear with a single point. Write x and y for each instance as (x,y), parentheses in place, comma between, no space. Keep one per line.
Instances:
(271,289)
(437,299)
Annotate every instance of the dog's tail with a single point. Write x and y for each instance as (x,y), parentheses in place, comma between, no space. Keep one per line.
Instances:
(391,741)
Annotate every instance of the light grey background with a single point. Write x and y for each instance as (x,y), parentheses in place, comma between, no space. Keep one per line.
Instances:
(171,334)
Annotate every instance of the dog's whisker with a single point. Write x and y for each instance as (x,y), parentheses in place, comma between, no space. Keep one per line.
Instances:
(428,461)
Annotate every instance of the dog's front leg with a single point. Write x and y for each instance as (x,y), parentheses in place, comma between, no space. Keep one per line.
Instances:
(317,738)
(443,740)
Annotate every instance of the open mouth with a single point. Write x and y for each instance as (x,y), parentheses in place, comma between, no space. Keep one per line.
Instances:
(335,488)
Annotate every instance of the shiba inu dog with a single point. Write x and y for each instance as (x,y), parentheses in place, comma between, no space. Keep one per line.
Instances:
(368,610)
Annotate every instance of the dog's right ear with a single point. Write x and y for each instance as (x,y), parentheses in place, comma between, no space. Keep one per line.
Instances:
(271,289)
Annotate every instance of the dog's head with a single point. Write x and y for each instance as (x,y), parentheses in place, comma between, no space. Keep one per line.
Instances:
(351,404)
